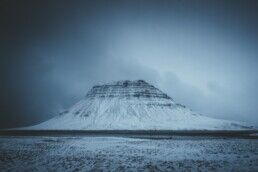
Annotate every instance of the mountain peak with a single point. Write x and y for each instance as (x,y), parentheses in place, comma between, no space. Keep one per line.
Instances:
(128,82)
(126,89)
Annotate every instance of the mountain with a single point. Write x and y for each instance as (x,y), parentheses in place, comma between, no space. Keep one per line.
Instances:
(132,105)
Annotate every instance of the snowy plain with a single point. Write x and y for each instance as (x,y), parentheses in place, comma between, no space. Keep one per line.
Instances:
(100,153)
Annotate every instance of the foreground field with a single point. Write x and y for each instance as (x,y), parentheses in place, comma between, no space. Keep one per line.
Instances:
(91,153)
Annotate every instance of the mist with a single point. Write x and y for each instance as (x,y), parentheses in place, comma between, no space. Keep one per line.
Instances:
(203,54)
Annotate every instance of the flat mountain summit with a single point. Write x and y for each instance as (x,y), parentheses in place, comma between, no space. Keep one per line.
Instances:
(132,105)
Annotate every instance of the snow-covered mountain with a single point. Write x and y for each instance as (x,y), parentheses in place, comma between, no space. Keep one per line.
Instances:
(132,105)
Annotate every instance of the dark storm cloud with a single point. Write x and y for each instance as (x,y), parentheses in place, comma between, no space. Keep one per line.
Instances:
(202,53)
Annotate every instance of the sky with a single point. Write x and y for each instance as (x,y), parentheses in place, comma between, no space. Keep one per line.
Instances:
(203,54)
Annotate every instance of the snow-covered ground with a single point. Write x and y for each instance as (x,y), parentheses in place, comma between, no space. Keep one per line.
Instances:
(127,154)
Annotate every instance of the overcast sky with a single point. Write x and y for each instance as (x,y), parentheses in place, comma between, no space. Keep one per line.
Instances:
(204,54)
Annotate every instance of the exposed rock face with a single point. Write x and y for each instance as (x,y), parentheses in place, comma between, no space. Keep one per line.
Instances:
(132,105)
(127,89)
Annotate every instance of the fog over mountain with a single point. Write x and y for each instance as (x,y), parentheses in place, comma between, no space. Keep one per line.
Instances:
(203,54)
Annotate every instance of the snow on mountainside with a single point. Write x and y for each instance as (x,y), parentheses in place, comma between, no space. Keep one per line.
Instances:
(132,105)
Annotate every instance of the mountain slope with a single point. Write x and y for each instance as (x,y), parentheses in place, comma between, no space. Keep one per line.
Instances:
(132,105)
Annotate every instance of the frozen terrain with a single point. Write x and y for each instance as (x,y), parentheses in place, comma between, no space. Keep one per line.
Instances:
(127,154)
(132,105)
